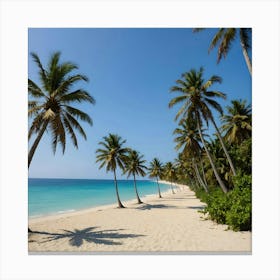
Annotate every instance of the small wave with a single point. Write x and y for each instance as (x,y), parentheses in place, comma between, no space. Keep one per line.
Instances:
(35,216)
(66,211)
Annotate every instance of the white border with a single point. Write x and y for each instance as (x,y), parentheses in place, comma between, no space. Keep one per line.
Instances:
(17,16)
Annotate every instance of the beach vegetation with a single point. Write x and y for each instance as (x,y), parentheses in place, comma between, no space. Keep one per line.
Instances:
(156,171)
(188,141)
(237,124)
(224,38)
(135,165)
(50,103)
(197,100)
(170,173)
(112,155)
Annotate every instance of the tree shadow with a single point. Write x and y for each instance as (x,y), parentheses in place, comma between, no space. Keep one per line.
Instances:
(196,207)
(77,237)
(155,206)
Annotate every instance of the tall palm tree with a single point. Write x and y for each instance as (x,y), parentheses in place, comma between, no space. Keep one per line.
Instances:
(112,155)
(224,38)
(237,125)
(169,171)
(50,105)
(188,140)
(134,165)
(156,171)
(197,98)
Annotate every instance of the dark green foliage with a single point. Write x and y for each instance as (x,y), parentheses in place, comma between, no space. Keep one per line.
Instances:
(239,217)
(201,194)
(242,181)
(218,204)
(233,208)
(242,156)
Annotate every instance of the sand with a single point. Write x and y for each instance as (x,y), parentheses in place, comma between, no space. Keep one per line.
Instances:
(171,224)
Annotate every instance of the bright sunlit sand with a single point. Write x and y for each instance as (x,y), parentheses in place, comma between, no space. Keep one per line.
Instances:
(169,224)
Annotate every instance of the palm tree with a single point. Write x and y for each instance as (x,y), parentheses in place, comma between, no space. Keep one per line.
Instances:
(224,38)
(237,125)
(197,98)
(188,139)
(134,165)
(169,171)
(156,171)
(50,106)
(112,155)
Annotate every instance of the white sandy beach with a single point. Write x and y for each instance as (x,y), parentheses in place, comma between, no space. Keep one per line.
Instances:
(169,224)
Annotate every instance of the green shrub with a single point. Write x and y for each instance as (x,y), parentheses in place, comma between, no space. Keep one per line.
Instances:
(239,217)
(201,194)
(217,206)
(233,208)
(242,181)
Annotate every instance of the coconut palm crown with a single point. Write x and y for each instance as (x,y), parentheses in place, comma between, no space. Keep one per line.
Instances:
(50,104)
(237,124)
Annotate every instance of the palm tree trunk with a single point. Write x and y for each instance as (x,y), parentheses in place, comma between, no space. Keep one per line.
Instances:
(117,192)
(246,56)
(138,198)
(199,176)
(172,187)
(34,147)
(224,147)
(36,142)
(222,185)
(203,174)
(159,194)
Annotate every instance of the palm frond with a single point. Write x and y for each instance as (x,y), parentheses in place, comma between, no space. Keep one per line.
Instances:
(218,36)
(79,114)
(42,72)
(245,37)
(214,104)
(77,95)
(226,43)
(34,90)
(76,125)
(70,131)
(66,84)
(58,133)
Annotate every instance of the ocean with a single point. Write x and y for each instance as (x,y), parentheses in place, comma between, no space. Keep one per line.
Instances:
(55,196)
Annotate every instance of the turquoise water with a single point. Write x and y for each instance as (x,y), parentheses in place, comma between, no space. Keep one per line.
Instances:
(52,196)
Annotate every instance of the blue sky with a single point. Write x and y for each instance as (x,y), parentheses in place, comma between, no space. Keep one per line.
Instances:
(130,73)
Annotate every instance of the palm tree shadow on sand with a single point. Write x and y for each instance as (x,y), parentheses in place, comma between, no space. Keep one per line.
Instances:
(77,237)
(154,206)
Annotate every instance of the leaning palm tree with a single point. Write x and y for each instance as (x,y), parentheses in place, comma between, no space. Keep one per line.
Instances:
(224,38)
(156,171)
(169,171)
(134,165)
(197,98)
(50,106)
(237,125)
(188,140)
(112,155)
